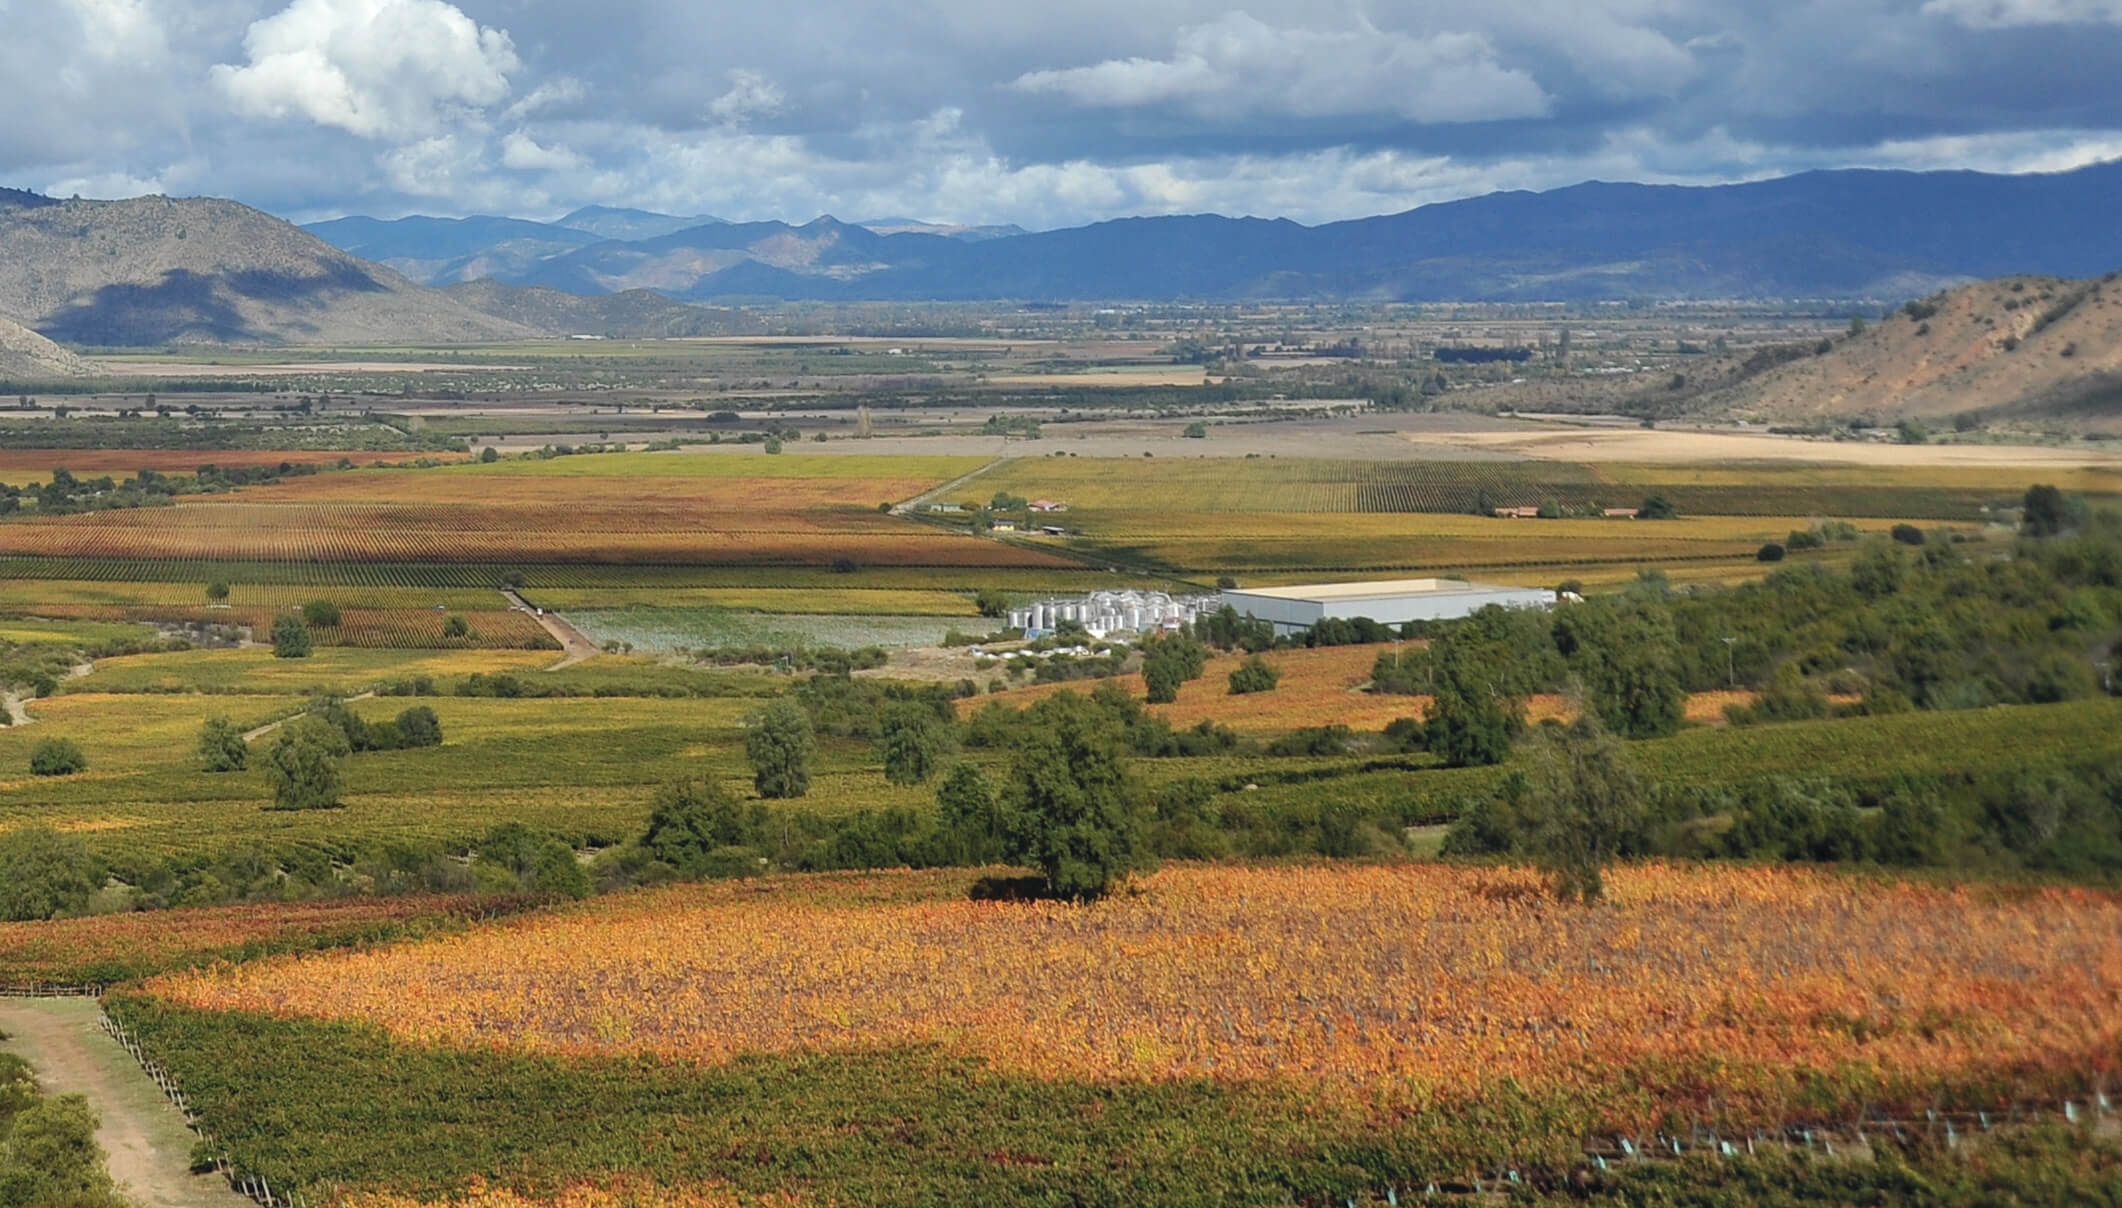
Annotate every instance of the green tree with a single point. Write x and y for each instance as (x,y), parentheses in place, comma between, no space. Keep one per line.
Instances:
(419,727)
(561,872)
(688,821)
(990,601)
(914,742)
(1071,808)
(1162,677)
(303,767)
(44,873)
(221,746)
(320,614)
(779,743)
(1582,803)
(1657,507)
(57,757)
(1481,671)
(489,455)
(51,1158)
(455,626)
(1196,430)
(217,591)
(290,637)
(2046,511)
(1170,661)
(1253,675)
(967,816)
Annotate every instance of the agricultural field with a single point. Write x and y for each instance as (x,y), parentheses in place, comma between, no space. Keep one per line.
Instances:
(668,629)
(1221,1036)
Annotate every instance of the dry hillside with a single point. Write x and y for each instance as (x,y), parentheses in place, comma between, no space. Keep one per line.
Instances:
(635,314)
(154,270)
(26,356)
(2038,350)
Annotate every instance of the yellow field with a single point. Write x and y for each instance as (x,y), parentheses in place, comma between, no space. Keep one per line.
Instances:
(1389,988)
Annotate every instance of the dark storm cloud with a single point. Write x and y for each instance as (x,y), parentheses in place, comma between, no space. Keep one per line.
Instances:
(1040,114)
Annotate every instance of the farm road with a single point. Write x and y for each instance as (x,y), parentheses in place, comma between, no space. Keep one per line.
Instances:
(570,638)
(269,727)
(149,1145)
(935,493)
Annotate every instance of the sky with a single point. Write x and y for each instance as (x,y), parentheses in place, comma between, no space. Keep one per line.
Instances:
(1040,114)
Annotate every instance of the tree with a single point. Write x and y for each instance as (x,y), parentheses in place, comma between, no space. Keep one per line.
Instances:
(303,768)
(1070,808)
(217,591)
(320,614)
(57,757)
(1170,661)
(44,873)
(221,746)
(990,601)
(1657,507)
(489,455)
(1771,552)
(967,816)
(914,741)
(689,820)
(290,637)
(50,1158)
(779,743)
(1196,430)
(419,727)
(1582,801)
(1162,677)
(560,872)
(455,626)
(1253,675)
(1907,534)
(2045,511)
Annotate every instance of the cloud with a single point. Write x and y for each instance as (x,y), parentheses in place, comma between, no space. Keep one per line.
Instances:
(1238,66)
(750,95)
(381,69)
(522,152)
(2006,14)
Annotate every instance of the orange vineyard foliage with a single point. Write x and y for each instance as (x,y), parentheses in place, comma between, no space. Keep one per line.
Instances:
(620,1194)
(1384,988)
(1318,687)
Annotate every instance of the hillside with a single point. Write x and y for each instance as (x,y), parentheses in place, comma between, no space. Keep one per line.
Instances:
(635,314)
(2018,348)
(1841,234)
(154,270)
(26,356)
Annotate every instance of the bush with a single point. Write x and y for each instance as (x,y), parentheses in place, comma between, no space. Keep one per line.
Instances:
(221,746)
(290,637)
(914,742)
(489,455)
(1314,741)
(1771,552)
(419,727)
(57,757)
(303,768)
(1803,539)
(1657,507)
(217,591)
(44,873)
(1253,675)
(455,626)
(320,614)
(1907,534)
(780,746)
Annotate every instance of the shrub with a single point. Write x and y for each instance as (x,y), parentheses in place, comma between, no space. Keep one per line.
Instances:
(290,637)
(419,727)
(780,746)
(57,757)
(1314,741)
(455,626)
(303,769)
(1657,507)
(1771,552)
(44,873)
(1907,534)
(1803,539)
(1253,675)
(320,614)
(221,746)
(217,591)
(689,821)
(489,455)
(914,741)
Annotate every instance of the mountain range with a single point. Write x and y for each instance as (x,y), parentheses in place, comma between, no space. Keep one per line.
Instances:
(1831,234)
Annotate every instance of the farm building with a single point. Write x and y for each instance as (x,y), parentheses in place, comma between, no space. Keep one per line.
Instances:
(1390,602)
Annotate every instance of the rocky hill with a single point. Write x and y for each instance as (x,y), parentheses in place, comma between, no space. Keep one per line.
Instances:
(154,271)
(26,356)
(636,314)
(2042,350)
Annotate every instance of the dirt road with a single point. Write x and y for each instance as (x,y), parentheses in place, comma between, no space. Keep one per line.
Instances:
(570,638)
(149,1145)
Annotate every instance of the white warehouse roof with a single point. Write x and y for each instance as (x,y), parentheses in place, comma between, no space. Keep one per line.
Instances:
(1388,602)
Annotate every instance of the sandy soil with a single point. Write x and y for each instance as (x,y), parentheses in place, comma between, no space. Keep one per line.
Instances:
(1645,445)
(148,1142)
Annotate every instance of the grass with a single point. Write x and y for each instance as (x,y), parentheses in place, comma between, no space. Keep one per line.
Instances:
(668,629)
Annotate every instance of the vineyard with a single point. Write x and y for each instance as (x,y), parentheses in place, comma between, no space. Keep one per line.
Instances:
(1369,1027)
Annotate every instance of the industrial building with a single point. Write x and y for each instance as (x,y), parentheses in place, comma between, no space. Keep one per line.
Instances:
(1104,612)
(1392,602)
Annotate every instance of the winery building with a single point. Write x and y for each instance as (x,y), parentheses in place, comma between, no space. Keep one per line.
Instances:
(1390,602)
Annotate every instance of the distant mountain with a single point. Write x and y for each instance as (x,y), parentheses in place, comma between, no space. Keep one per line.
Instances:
(437,251)
(914,226)
(1844,234)
(606,222)
(636,314)
(26,356)
(154,270)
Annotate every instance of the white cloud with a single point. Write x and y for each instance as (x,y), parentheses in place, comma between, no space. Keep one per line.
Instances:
(2005,14)
(566,90)
(1238,66)
(751,94)
(379,69)
(523,153)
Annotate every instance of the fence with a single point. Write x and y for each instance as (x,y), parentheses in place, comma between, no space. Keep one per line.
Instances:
(52,990)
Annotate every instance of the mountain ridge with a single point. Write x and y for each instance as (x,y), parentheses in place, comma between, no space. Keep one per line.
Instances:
(1833,234)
